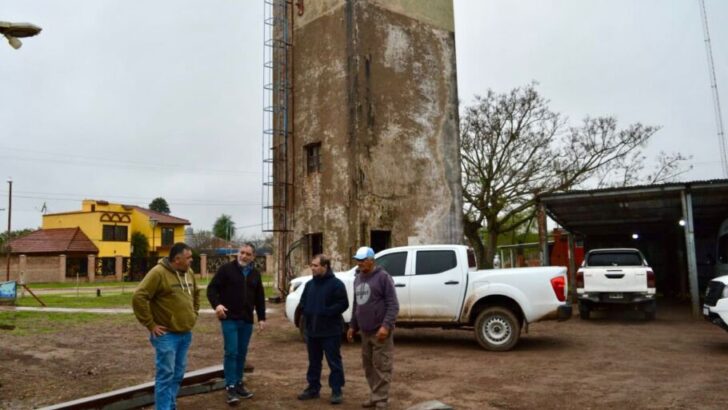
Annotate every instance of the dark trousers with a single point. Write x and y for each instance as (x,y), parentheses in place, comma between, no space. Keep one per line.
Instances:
(317,348)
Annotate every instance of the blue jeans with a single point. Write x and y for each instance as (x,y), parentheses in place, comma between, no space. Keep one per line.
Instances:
(317,348)
(236,336)
(171,361)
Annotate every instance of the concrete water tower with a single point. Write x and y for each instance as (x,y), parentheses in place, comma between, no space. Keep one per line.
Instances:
(364,149)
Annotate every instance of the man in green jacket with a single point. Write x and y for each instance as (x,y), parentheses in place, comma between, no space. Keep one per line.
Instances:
(167,303)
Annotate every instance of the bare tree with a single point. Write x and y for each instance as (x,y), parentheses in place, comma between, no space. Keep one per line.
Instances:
(514,148)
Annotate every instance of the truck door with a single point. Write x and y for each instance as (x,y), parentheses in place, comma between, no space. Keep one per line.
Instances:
(436,286)
(396,265)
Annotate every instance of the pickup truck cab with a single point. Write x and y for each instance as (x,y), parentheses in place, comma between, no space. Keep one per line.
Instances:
(715,305)
(439,286)
(618,277)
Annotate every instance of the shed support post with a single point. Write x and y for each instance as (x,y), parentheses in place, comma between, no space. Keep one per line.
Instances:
(572,267)
(543,239)
(687,205)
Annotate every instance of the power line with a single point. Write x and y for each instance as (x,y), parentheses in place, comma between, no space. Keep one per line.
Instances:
(80,160)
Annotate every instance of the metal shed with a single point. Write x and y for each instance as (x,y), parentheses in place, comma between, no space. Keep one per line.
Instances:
(674,224)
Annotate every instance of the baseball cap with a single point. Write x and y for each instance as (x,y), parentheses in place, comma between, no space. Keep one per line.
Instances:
(364,252)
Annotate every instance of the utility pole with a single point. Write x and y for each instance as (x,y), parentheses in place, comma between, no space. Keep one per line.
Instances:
(7,242)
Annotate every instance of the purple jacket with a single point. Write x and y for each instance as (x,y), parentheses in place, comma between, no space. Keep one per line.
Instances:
(375,301)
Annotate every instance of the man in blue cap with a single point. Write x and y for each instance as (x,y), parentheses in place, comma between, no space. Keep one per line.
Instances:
(374,312)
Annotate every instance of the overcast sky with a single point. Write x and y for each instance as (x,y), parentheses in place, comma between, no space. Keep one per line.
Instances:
(127,101)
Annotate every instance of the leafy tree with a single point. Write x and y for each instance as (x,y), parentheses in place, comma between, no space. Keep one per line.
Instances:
(514,148)
(224,227)
(159,205)
(13,235)
(139,244)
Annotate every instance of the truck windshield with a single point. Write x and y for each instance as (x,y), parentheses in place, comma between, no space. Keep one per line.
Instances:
(614,259)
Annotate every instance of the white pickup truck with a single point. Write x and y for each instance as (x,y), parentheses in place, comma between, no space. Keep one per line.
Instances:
(615,278)
(439,286)
(715,304)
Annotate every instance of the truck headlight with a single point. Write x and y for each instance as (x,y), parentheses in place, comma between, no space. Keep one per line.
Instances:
(293,287)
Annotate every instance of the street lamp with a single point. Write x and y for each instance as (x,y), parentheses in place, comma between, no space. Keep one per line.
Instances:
(12,31)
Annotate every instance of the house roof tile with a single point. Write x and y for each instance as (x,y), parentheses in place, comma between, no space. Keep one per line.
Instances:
(61,240)
(160,217)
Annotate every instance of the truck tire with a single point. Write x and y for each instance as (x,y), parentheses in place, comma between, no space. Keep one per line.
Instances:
(650,311)
(583,311)
(497,329)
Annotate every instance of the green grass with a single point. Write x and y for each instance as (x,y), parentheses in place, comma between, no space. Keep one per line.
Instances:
(87,301)
(29,323)
(106,300)
(81,284)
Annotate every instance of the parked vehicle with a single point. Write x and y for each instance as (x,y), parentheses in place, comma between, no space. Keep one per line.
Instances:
(715,305)
(439,286)
(618,277)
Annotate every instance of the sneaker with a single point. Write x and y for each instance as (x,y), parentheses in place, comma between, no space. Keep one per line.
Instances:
(368,404)
(232,396)
(242,392)
(337,398)
(308,394)
(382,404)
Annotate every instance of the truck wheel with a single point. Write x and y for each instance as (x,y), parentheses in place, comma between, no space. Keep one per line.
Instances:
(583,311)
(650,311)
(497,329)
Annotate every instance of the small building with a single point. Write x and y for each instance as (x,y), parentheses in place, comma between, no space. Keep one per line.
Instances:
(110,226)
(51,255)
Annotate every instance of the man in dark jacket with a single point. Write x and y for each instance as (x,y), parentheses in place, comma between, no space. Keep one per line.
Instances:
(374,314)
(323,301)
(234,292)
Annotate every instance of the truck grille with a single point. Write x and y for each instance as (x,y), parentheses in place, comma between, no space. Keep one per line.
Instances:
(714,292)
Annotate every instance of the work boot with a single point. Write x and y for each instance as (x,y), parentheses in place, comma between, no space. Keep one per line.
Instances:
(242,392)
(232,396)
(308,394)
(337,397)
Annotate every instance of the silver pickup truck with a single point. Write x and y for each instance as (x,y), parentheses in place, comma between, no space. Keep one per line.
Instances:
(610,278)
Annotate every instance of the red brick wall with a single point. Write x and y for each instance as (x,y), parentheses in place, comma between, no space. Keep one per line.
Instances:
(37,268)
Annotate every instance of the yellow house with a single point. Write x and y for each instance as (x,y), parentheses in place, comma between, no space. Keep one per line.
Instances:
(110,226)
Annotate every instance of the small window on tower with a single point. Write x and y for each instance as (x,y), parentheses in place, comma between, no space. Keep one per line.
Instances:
(313,158)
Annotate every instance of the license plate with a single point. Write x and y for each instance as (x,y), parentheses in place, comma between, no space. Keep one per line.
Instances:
(616,296)
(706,311)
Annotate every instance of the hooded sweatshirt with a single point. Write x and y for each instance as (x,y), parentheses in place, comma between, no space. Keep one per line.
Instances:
(167,298)
(375,301)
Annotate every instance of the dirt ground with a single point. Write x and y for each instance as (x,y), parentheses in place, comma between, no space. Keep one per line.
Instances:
(611,361)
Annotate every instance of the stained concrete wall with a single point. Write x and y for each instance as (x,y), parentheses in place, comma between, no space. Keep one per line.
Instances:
(375,83)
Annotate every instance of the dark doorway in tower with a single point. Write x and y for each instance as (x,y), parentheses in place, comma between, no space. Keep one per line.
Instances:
(381,240)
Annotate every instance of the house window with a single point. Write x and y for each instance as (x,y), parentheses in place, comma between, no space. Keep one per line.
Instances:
(115,233)
(315,244)
(313,158)
(167,236)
